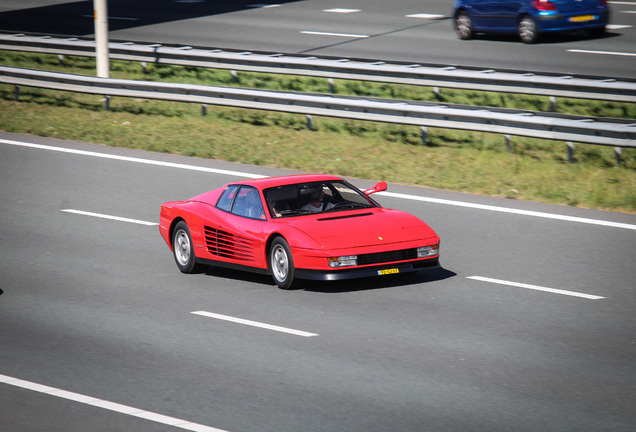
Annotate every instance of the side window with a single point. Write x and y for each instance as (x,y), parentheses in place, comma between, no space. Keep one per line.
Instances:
(225,202)
(248,203)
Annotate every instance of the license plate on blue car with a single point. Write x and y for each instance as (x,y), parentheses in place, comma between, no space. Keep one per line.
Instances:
(582,18)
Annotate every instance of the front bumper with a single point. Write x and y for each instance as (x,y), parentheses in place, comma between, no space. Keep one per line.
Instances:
(371,271)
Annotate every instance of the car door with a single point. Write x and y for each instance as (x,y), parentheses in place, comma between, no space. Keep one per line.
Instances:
(240,238)
(506,13)
(481,12)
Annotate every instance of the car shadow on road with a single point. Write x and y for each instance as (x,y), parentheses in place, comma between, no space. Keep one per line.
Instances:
(374,283)
(77,17)
(546,39)
(341,286)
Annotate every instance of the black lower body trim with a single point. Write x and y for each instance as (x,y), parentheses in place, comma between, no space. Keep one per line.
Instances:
(232,266)
(366,271)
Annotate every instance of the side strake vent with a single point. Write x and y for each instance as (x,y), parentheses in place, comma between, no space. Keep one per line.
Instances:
(226,245)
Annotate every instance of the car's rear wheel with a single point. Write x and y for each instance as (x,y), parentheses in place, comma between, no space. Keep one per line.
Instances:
(281,264)
(464,26)
(183,249)
(528,30)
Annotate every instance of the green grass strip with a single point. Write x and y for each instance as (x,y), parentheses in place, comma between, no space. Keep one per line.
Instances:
(479,163)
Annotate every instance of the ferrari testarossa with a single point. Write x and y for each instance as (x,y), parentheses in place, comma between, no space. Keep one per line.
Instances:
(314,226)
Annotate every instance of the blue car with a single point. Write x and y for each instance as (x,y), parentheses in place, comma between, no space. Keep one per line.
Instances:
(529,18)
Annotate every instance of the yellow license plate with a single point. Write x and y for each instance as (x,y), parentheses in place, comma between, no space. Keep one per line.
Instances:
(388,271)
(581,18)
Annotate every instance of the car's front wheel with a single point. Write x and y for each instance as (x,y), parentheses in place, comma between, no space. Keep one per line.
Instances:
(183,249)
(528,30)
(464,26)
(281,264)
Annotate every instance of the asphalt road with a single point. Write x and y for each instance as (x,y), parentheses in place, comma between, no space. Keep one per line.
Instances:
(405,30)
(97,330)
(529,325)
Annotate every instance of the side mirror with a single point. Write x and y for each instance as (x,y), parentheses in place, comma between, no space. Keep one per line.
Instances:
(377,188)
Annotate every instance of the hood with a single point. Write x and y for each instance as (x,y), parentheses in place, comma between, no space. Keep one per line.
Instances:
(362,228)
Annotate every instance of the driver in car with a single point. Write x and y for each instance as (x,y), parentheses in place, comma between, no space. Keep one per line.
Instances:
(316,203)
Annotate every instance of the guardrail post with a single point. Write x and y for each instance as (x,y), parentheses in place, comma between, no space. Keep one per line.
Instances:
(204,110)
(234,76)
(332,87)
(61,58)
(552,104)
(144,67)
(107,103)
(309,121)
(570,152)
(16,94)
(424,135)
(508,141)
(619,152)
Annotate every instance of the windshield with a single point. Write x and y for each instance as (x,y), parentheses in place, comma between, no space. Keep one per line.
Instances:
(307,198)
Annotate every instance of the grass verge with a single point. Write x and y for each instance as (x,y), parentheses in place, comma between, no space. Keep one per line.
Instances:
(534,170)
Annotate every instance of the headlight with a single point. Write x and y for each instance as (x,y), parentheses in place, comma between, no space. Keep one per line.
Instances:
(343,261)
(428,251)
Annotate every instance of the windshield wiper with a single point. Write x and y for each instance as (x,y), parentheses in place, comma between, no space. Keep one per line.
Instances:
(295,212)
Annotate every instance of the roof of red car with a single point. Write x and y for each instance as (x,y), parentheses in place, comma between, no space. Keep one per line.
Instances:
(267,182)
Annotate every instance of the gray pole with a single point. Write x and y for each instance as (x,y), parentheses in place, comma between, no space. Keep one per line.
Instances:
(101,37)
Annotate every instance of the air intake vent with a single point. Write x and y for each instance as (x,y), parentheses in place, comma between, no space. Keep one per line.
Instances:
(384,257)
(226,245)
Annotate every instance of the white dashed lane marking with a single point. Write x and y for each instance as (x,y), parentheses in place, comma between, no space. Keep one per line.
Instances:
(254,324)
(105,216)
(349,35)
(536,288)
(342,11)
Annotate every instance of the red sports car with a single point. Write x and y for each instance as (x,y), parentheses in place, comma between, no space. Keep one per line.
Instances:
(297,227)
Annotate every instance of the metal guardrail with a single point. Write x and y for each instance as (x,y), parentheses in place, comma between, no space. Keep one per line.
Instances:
(599,88)
(603,131)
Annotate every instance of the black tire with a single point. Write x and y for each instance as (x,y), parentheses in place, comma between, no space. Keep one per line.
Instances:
(464,26)
(597,32)
(183,249)
(281,264)
(527,30)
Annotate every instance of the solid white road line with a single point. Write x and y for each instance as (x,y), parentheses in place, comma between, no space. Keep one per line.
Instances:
(335,34)
(104,216)
(111,406)
(389,194)
(254,324)
(536,288)
(616,53)
(511,210)
(130,159)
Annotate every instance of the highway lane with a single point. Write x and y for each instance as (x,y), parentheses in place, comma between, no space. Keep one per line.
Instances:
(405,30)
(97,307)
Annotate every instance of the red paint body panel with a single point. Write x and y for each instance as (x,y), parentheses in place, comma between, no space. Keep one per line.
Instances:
(223,237)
